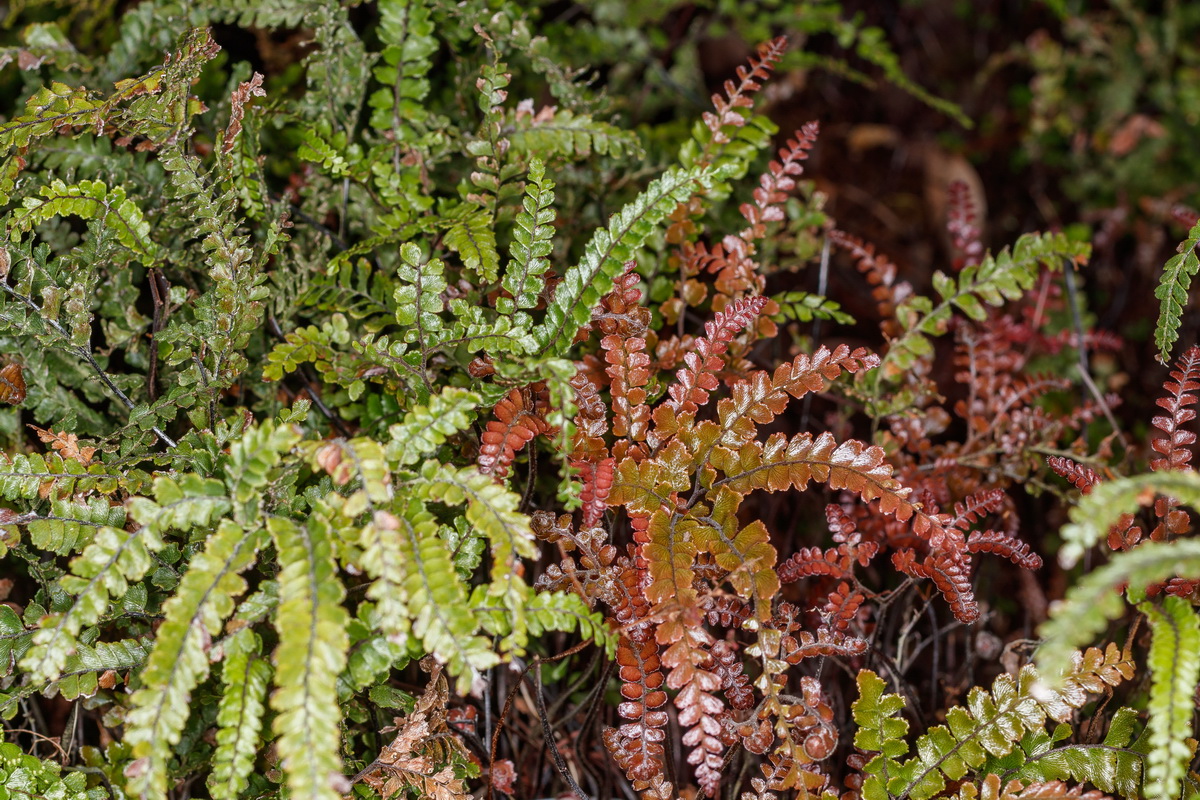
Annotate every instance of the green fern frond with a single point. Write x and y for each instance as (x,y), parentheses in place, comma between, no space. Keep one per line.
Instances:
(605,255)
(799,306)
(1005,276)
(418,295)
(91,200)
(425,427)
(246,676)
(406,30)
(1174,661)
(23,775)
(115,559)
(1096,511)
(312,652)
(1172,292)
(443,621)
(471,236)
(70,525)
(569,135)
(991,725)
(179,661)
(531,244)
(1092,602)
(81,675)
(1113,765)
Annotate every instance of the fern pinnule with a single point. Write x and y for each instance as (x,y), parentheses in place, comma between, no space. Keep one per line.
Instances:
(1175,446)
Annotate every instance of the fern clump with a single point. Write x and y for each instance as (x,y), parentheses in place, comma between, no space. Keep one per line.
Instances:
(413,413)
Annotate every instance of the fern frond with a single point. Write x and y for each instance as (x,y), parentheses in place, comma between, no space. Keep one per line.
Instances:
(179,661)
(1094,600)
(1006,276)
(117,558)
(425,427)
(1174,661)
(1174,447)
(737,96)
(562,133)
(311,653)
(961,225)
(797,306)
(472,236)
(418,295)
(1172,292)
(406,30)
(246,676)
(518,420)
(699,377)
(82,673)
(760,398)
(91,200)
(991,725)
(1098,510)
(1006,546)
(443,620)
(606,253)
(531,243)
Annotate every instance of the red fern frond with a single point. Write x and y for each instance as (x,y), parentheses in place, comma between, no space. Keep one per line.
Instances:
(690,663)
(641,750)
(881,275)
(812,722)
(809,562)
(1175,445)
(738,96)
(982,503)
(597,482)
(842,606)
(591,421)
(1181,587)
(699,377)
(761,397)
(620,311)
(1124,534)
(949,575)
(1078,475)
(629,373)
(796,648)
(518,419)
(734,683)
(776,182)
(845,533)
(726,610)
(961,224)
(1006,546)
